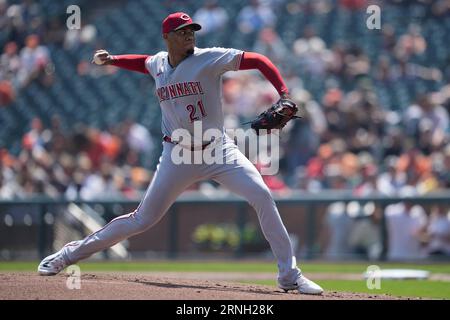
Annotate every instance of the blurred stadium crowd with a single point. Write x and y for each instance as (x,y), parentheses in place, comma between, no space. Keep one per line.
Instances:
(377,101)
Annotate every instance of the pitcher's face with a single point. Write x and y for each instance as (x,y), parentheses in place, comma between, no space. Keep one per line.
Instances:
(181,41)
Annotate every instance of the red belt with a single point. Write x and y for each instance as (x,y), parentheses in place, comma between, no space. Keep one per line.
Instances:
(168,139)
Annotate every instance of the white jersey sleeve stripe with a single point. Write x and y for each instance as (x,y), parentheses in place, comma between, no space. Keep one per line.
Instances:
(147,65)
(238,61)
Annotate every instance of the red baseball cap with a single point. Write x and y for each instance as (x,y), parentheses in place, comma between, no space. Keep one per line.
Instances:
(178,20)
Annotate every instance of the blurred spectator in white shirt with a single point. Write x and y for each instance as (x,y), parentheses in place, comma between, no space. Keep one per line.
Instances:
(139,141)
(100,184)
(34,60)
(255,17)
(405,224)
(312,52)
(338,222)
(76,38)
(390,181)
(9,187)
(211,17)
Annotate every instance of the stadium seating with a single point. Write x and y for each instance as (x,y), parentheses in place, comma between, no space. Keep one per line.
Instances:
(134,27)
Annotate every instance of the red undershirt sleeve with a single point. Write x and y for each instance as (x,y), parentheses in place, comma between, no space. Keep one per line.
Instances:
(253,60)
(133,62)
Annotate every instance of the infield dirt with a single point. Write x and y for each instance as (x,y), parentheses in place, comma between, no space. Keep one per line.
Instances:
(152,286)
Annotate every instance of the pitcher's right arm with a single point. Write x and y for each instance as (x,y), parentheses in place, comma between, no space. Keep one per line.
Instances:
(133,62)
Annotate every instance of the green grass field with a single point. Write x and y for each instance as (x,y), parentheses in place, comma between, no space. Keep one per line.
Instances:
(223,266)
(405,288)
(408,288)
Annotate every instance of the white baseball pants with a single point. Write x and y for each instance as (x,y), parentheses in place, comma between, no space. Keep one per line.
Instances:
(170,180)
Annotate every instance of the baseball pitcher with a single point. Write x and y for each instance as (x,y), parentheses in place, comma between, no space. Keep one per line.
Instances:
(188,88)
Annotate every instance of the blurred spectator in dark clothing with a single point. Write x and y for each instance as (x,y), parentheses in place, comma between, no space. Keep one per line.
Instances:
(440,8)
(9,68)
(394,142)
(270,44)
(410,44)
(9,62)
(7,93)
(4,20)
(335,119)
(55,33)
(410,72)
(438,232)
(389,39)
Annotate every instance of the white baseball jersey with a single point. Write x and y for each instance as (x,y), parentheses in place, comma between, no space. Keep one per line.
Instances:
(192,91)
(188,93)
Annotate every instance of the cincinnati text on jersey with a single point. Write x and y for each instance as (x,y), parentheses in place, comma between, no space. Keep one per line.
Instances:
(178,90)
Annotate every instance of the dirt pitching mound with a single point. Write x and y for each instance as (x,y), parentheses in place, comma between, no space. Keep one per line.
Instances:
(147,286)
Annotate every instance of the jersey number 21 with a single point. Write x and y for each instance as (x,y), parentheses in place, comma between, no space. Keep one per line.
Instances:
(193,111)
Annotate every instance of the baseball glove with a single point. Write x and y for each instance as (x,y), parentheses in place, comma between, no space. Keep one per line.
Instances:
(276,117)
